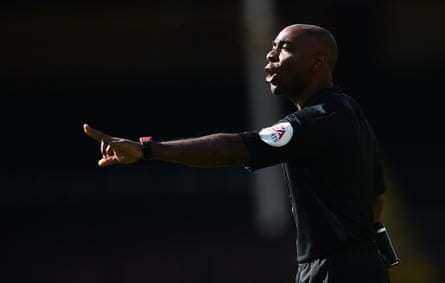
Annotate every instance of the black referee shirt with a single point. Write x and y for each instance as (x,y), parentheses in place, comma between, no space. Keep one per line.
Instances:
(331,165)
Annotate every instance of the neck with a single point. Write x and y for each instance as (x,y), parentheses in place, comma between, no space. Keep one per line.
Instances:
(300,99)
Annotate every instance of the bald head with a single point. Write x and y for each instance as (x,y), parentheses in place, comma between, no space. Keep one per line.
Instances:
(301,61)
(315,38)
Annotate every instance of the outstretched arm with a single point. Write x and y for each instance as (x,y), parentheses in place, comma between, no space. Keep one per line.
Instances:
(216,150)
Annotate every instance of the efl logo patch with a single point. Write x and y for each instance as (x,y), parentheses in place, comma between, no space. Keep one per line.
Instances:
(277,135)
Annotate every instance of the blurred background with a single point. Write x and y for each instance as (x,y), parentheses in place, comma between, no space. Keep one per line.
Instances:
(174,69)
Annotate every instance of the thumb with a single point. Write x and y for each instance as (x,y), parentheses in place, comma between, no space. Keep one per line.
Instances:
(107,161)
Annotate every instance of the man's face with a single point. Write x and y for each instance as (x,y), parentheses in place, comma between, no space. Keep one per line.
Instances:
(288,63)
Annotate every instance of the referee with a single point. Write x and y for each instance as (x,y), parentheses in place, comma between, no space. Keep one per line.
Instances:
(327,149)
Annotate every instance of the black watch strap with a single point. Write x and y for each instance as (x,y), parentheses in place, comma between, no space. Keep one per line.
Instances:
(146,147)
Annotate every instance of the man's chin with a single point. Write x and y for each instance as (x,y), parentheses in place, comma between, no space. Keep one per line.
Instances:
(275,90)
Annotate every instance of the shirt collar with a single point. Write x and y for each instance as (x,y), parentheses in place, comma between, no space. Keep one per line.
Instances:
(320,93)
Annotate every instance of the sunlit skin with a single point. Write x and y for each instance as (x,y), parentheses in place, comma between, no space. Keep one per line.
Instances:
(301,62)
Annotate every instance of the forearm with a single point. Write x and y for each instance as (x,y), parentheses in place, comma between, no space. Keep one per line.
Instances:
(216,150)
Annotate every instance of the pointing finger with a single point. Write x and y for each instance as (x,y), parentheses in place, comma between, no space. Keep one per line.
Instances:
(93,133)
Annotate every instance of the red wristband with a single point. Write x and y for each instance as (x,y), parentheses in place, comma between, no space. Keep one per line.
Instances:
(146,147)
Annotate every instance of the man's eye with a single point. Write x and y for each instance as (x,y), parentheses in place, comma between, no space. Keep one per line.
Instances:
(285,47)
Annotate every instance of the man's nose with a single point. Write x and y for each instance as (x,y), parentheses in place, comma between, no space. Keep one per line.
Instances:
(272,55)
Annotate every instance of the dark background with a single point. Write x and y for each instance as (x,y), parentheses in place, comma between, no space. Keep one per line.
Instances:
(176,69)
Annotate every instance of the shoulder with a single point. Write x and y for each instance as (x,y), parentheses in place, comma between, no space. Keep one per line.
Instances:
(330,112)
(327,105)
(337,100)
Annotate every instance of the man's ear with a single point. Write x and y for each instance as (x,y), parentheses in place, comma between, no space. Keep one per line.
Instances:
(318,61)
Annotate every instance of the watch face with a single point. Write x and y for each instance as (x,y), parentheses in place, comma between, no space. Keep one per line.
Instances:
(144,140)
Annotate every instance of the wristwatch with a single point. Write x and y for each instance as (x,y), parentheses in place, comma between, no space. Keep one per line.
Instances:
(146,147)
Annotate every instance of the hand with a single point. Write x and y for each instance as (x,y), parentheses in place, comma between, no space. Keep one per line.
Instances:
(114,150)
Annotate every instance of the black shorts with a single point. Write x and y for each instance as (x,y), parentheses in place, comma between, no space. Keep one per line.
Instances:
(358,264)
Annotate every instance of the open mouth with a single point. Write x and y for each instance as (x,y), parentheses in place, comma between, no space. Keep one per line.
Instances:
(270,74)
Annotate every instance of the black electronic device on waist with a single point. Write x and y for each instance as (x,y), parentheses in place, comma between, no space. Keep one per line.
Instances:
(385,246)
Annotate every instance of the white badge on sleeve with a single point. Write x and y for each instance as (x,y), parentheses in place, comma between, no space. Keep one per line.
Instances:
(277,135)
